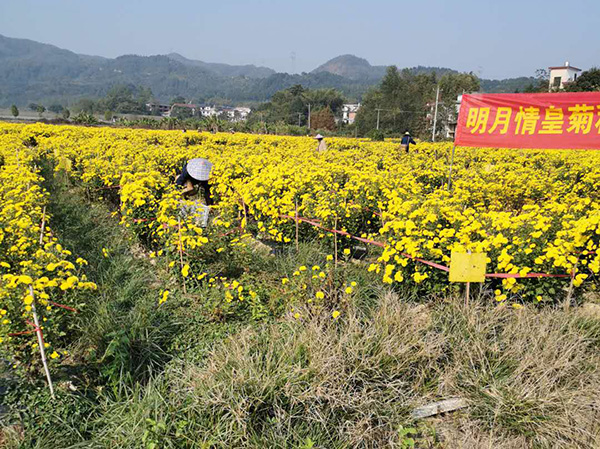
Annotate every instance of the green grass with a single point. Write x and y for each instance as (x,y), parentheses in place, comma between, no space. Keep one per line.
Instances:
(182,376)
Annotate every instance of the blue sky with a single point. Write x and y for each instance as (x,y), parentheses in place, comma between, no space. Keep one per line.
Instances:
(494,39)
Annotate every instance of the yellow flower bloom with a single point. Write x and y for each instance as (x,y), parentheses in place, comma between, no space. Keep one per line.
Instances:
(185,271)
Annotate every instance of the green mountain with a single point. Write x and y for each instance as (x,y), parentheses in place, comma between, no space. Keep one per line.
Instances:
(359,69)
(34,72)
(249,70)
(352,67)
(507,86)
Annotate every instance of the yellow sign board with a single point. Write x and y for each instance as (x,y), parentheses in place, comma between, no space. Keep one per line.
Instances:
(467,267)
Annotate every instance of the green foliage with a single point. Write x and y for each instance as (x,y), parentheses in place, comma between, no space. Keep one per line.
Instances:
(406,435)
(539,84)
(290,107)
(66,113)
(376,135)
(122,99)
(588,81)
(403,98)
(14,111)
(56,108)
(84,118)
(178,99)
(125,99)
(85,105)
(181,112)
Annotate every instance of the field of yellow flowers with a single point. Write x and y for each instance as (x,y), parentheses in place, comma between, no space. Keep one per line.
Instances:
(530,211)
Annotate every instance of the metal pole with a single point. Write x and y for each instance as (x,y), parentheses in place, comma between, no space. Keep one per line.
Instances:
(450,171)
(437,98)
(378,111)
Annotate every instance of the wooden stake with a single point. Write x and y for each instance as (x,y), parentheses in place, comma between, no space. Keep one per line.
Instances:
(43,226)
(296,200)
(567,303)
(40,339)
(181,252)
(467,294)
(335,251)
(467,289)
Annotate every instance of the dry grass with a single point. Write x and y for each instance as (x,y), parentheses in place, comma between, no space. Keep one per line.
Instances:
(531,378)
(347,382)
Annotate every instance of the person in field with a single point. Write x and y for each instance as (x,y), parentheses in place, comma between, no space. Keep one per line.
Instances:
(196,173)
(322,145)
(406,141)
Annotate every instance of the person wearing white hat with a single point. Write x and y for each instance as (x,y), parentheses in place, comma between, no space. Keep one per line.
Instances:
(196,172)
(406,141)
(322,145)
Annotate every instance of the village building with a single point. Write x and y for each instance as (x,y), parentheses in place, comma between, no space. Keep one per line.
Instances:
(161,109)
(559,76)
(349,113)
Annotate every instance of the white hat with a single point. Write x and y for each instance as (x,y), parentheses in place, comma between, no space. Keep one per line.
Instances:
(199,169)
(318,137)
(407,133)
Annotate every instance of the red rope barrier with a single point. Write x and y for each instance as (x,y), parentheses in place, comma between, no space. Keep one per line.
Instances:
(317,223)
(33,331)
(72,309)
(528,275)
(428,262)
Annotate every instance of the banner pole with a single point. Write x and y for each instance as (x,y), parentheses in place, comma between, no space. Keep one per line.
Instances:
(450,170)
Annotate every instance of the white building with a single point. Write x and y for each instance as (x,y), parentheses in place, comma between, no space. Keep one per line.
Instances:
(208,111)
(450,126)
(241,113)
(236,114)
(561,75)
(349,113)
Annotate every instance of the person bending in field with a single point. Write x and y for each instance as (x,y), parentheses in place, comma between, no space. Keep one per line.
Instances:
(406,141)
(196,173)
(322,145)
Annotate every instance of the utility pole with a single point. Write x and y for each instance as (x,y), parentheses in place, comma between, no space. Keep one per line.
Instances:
(378,111)
(308,117)
(437,99)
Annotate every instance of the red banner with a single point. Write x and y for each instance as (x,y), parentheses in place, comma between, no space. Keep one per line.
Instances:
(553,120)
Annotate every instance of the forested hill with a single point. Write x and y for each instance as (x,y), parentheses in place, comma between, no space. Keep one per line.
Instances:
(34,72)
